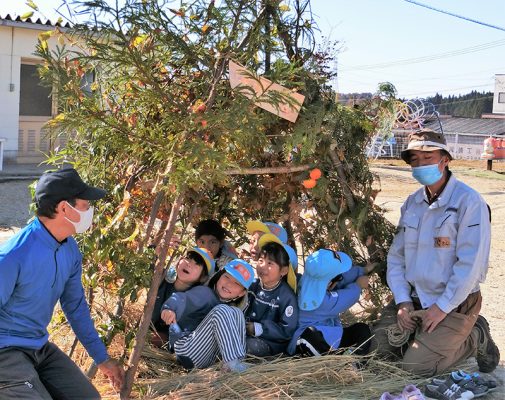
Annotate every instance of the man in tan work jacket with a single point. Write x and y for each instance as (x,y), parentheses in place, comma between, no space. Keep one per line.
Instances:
(436,262)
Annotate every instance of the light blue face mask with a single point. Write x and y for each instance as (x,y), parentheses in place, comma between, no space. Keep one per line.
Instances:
(428,174)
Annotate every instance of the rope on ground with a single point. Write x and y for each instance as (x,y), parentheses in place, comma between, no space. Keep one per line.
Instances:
(397,337)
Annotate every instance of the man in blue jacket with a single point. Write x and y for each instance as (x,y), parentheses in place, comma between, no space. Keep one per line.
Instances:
(40,266)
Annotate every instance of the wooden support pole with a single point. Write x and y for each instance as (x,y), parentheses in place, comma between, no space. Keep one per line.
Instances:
(140,337)
(268,170)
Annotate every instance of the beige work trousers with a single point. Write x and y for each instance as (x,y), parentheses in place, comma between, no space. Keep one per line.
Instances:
(430,354)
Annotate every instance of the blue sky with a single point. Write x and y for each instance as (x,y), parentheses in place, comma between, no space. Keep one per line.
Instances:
(420,51)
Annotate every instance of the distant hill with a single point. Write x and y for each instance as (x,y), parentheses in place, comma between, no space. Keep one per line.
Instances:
(471,105)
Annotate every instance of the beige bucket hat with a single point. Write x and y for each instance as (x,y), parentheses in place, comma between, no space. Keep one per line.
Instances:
(425,140)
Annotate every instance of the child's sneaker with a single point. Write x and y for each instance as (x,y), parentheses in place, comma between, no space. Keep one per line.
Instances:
(490,384)
(458,390)
(306,348)
(441,392)
(488,354)
(235,366)
(411,392)
(389,396)
(467,383)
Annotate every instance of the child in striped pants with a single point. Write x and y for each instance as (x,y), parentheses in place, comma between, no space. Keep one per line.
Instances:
(210,320)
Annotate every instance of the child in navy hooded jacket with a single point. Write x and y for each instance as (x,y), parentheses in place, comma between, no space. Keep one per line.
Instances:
(273,312)
(329,286)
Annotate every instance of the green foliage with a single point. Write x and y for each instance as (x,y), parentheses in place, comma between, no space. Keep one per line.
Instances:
(471,105)
(160,116)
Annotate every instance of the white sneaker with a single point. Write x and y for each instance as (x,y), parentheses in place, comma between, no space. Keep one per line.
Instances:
(235,366)
(308,346)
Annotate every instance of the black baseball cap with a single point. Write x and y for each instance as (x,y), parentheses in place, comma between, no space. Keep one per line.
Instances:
(65,184)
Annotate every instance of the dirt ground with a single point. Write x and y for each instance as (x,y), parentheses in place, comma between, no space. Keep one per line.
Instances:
(396,184)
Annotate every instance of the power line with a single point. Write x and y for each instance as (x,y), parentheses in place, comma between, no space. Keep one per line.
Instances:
(455,15)
(432,57)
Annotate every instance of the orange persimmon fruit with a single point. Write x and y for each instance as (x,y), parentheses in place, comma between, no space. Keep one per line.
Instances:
(309,183)
(315,174)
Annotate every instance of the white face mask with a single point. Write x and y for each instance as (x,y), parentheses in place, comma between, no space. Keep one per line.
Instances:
(85,221)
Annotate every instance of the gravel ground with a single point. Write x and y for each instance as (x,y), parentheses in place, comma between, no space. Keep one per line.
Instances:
(14,201)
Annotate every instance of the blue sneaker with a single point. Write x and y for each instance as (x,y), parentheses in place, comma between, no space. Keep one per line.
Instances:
(459,375)
(466,382)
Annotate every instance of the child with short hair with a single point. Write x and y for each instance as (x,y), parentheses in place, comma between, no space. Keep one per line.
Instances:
(211,235)
(194,268)
(208,322)
(273,312)
(329,286)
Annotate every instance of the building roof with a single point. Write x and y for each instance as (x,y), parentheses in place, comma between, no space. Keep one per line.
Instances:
(30,23)
(482,126)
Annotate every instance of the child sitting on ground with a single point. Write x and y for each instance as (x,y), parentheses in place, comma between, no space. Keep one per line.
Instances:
(272,315)
(329,286)
(191,270)
(207,322)
(210,235)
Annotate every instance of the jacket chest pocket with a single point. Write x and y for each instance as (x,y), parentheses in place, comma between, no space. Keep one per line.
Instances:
(410,226)
(446,231)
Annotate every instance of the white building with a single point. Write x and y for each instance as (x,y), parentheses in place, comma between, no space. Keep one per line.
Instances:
(499,94)
(25,105)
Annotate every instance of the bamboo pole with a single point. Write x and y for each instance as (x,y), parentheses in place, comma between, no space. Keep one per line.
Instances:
(342,180)
(268,170)
(140,337)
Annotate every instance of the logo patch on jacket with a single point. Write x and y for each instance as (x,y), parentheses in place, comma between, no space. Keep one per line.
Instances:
(442,242)
(289,311)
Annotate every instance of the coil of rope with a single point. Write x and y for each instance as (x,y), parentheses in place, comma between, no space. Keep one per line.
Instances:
(398,337)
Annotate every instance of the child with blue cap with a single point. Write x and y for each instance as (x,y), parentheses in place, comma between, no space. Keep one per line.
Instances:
(329,285)
(273,312)
(207,322)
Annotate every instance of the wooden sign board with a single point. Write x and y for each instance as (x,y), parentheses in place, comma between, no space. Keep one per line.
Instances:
(248,83)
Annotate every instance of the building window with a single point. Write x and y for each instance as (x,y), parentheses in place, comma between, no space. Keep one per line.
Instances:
(35,99)
(501,97)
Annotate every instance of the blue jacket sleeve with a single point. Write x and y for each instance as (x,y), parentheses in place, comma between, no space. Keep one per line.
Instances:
(350,276)
(190,301)
(9,270)
(74,305)
(282,329)
(339,300)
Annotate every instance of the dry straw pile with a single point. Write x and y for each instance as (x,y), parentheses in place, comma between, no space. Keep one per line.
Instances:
(332,376)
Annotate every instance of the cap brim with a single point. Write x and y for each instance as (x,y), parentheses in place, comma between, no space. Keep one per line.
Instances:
(405,154)
(292,278)
(210,267)
(311,293)
(92,193)
(269,238)
(256,226)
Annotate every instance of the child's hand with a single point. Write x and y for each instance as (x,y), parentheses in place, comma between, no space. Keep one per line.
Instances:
(362,281)
(168,316)
(370,266)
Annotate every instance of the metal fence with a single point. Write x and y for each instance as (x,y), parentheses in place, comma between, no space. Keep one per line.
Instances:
(463,146)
